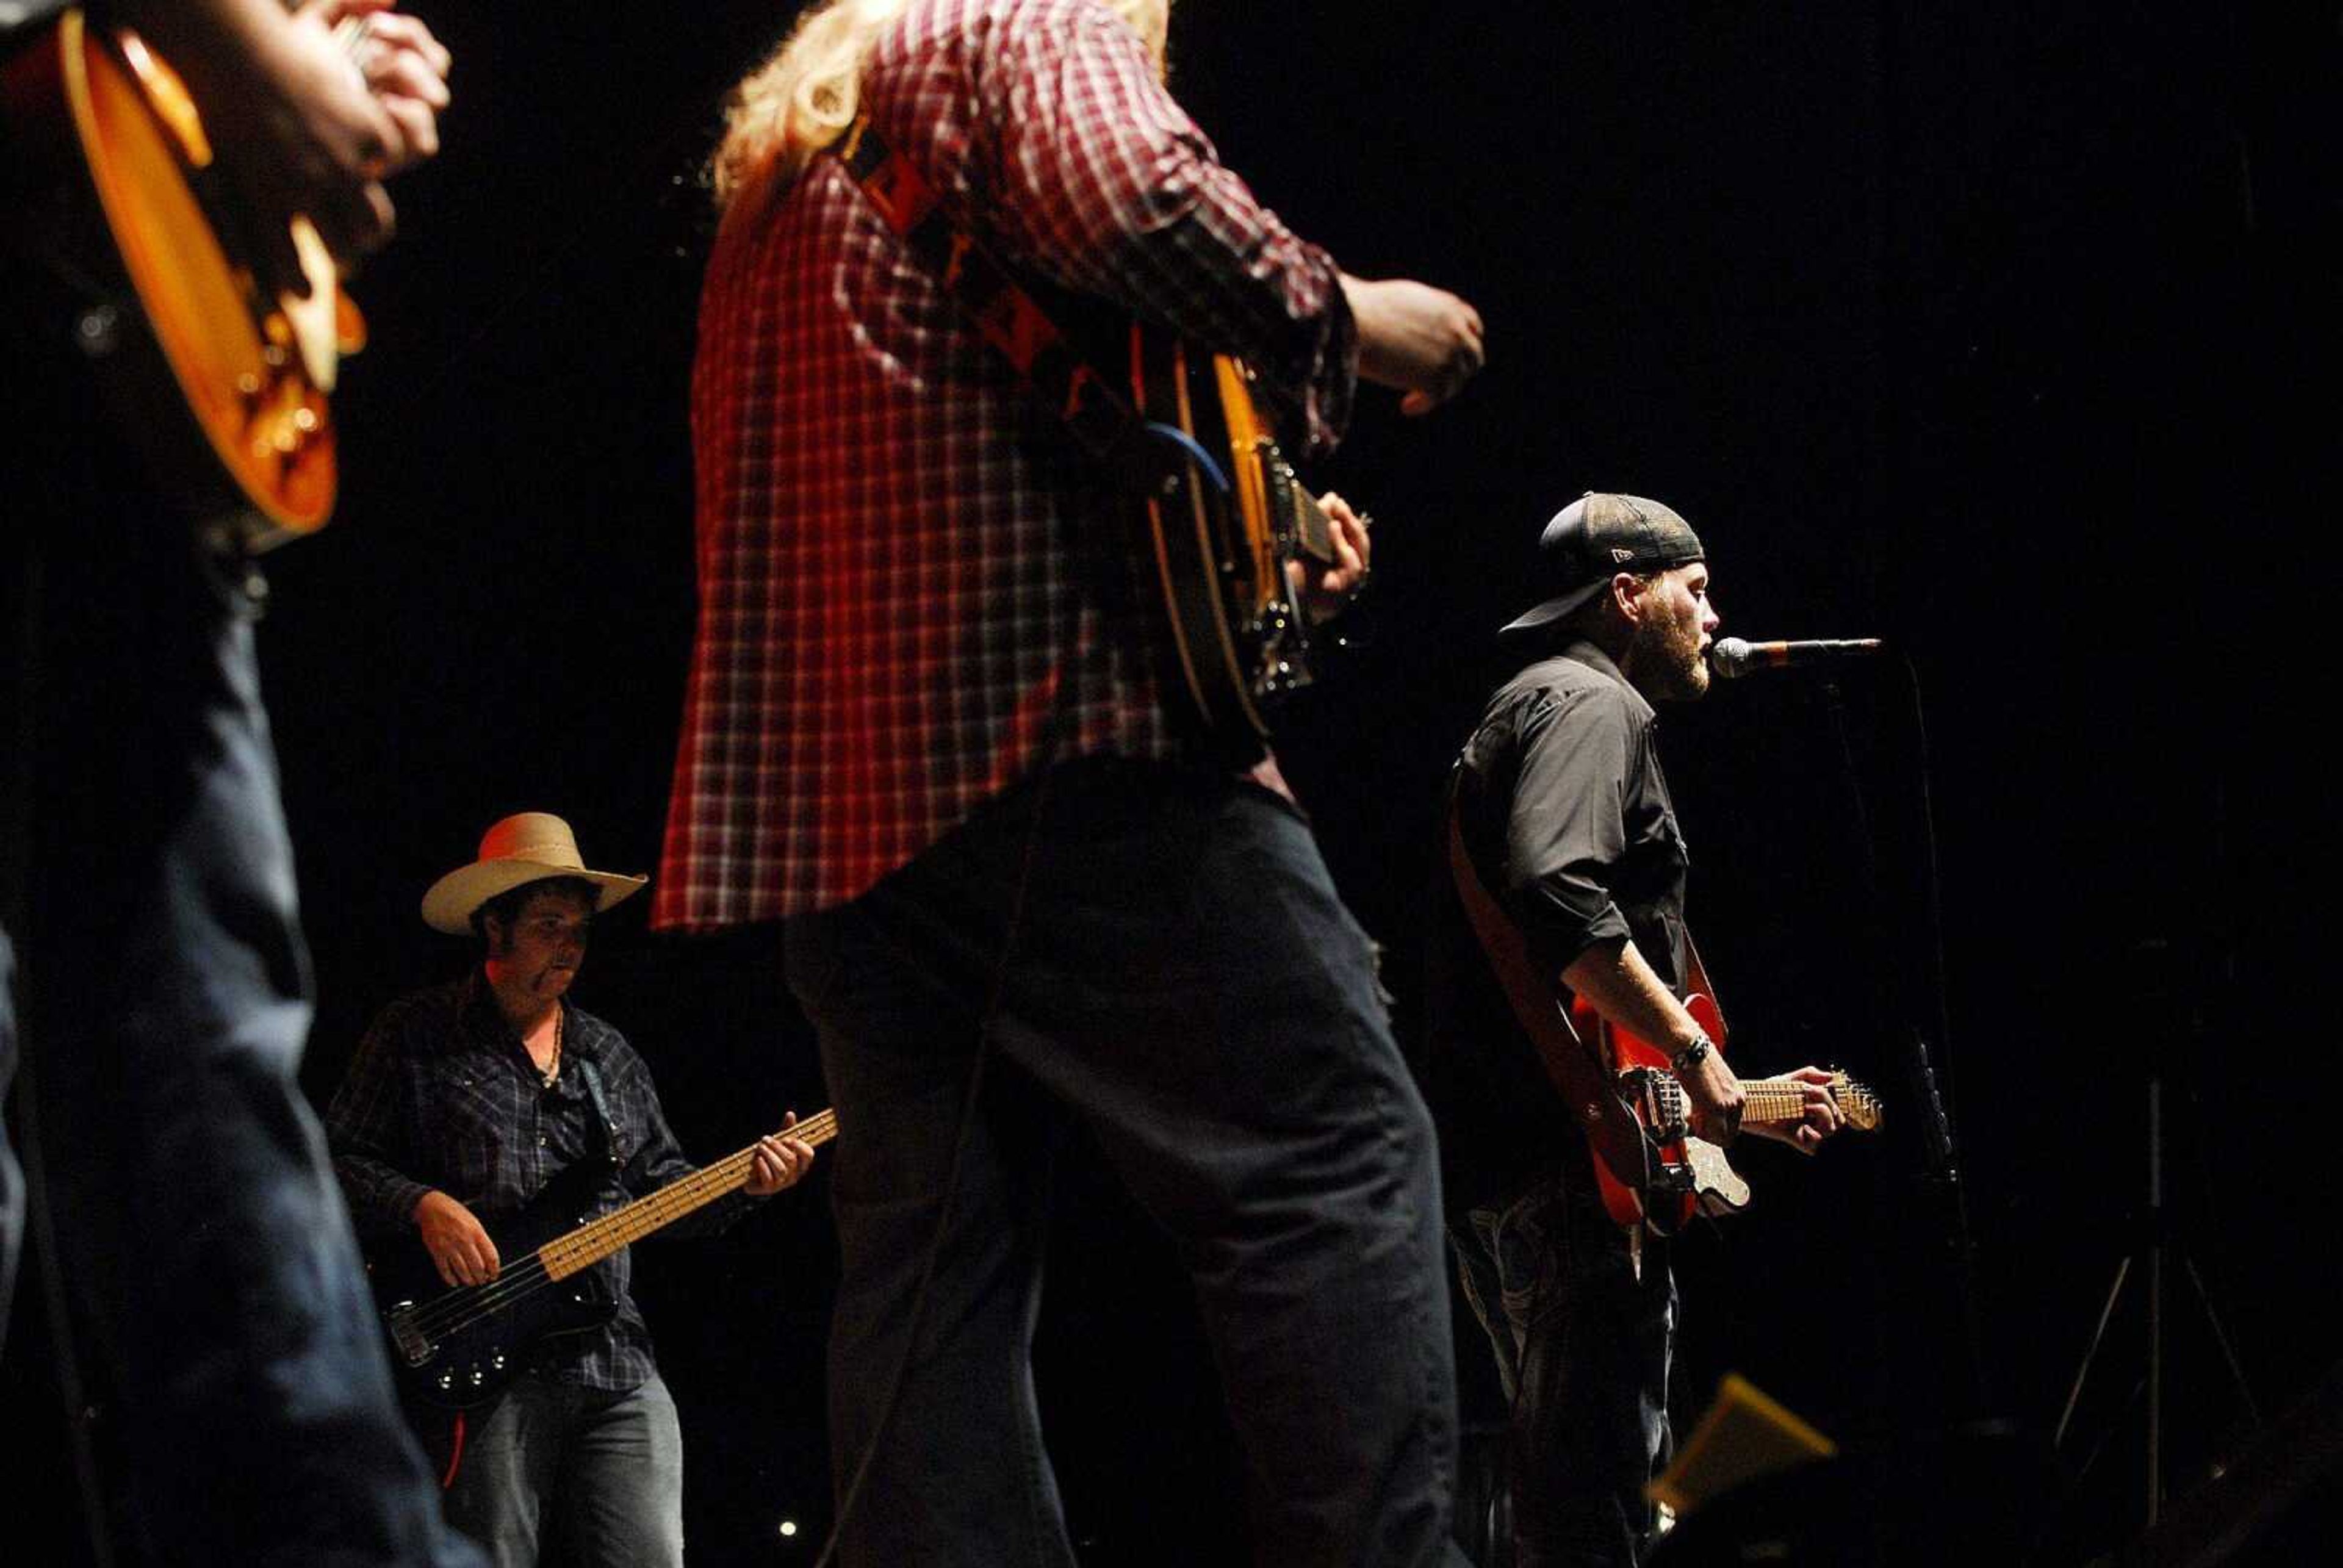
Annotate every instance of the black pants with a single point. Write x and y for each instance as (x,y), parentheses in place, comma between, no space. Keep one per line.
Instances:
(1184,983)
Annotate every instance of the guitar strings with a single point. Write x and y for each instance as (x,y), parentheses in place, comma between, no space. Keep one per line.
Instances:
(463,1306)
(466,1305)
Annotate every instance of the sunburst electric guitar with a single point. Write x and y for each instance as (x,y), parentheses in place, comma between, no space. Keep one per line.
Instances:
(1226,525)
(1230,528)
(458,1347)
(228,391)
(1656,1173)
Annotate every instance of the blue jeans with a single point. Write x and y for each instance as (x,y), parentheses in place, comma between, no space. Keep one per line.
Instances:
(599,1474)
(216,1286)
(1186,985)
(1583,1337)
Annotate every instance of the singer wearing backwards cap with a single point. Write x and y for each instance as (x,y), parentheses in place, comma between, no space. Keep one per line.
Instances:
(1562,831)
(463,1101)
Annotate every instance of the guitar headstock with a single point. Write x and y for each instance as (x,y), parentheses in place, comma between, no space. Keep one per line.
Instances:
(1856,1102)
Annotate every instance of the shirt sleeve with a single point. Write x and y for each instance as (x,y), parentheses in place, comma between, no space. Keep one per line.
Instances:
(363,1132)
(1569,822)
(1101,181)
(659,1159)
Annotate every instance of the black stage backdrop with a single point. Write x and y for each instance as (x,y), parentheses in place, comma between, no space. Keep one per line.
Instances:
(2003,331)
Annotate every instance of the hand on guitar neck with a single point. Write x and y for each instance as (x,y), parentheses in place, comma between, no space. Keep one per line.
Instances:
(1798,1108)
(308,113)
(1327,582)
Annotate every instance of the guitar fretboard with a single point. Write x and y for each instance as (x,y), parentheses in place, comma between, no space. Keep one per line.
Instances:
(1783,1100)
(590,1243)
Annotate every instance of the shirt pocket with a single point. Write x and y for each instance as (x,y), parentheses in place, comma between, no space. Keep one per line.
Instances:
(463,1129)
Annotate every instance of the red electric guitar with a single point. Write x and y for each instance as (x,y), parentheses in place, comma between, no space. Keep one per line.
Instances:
(1652,1170)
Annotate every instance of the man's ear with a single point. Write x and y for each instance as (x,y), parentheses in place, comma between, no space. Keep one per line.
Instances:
(1626,591)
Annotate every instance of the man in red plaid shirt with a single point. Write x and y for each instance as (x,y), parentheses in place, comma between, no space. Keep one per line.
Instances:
(924,728)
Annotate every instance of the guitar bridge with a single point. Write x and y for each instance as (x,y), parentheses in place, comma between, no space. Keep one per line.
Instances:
(415,1346)
(1659,1102)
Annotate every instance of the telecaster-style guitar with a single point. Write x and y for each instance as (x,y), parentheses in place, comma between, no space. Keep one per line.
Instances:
(456,1348)
(111,168)
(1682,1175)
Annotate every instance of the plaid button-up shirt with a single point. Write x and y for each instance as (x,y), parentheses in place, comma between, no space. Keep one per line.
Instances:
(442,1094)
(900,613)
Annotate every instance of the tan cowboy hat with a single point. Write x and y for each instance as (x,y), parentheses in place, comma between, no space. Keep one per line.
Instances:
(528,848)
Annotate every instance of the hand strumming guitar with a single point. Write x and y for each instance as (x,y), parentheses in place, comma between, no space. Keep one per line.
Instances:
(1326,588)
(300,124)
(459,1243)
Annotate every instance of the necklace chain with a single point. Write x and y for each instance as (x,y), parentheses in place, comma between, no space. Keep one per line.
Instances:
(552,1069)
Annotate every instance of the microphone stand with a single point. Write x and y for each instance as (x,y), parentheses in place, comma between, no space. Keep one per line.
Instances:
(1941,1177)
(2158,1244)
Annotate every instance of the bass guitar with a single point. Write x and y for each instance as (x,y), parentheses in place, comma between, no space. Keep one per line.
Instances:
(1671,1175)
(458,1347)
(109,166)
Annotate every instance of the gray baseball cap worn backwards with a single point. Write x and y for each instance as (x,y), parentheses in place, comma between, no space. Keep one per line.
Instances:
(1595,537)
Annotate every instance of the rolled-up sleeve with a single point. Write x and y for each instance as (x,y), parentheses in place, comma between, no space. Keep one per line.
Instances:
(1569,821)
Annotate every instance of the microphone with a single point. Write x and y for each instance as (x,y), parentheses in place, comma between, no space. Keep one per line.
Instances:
(1732,657)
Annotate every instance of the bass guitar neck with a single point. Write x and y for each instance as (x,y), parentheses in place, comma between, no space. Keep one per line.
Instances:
(458,1347)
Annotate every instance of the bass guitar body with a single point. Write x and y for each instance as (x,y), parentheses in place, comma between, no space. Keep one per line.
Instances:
(454,1349)
(458,1347)
(112,181)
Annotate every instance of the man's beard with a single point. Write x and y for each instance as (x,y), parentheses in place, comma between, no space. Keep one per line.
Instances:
(1668,660)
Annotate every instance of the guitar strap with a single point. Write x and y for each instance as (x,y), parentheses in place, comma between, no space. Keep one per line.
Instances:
(1570,1061)
(606,1123)
(1103,421)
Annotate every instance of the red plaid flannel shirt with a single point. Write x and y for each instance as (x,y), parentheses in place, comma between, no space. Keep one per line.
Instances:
(897,618)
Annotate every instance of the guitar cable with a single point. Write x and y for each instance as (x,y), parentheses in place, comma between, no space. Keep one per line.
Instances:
(970,1101)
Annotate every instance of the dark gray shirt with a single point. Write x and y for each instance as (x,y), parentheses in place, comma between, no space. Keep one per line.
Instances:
(442,1094)
(1566,815)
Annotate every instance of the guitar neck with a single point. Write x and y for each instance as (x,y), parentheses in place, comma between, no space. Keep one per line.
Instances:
(1777,1100)
(588,1244)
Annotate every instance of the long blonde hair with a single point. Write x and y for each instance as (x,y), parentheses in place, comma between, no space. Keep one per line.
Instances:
(805,97)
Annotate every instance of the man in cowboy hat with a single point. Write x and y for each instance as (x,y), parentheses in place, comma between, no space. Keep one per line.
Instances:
(465,1100)
(1565,839)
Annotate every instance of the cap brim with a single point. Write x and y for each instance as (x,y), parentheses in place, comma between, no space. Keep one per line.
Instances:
(449,906)
(1552,609)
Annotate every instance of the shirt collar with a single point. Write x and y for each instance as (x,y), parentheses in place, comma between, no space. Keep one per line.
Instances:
(1582,651)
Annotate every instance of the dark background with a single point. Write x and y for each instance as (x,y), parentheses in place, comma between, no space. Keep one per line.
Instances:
(2004,330)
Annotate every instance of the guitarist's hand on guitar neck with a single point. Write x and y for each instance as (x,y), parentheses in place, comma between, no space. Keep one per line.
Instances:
(1817,1112)
(777,1160)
